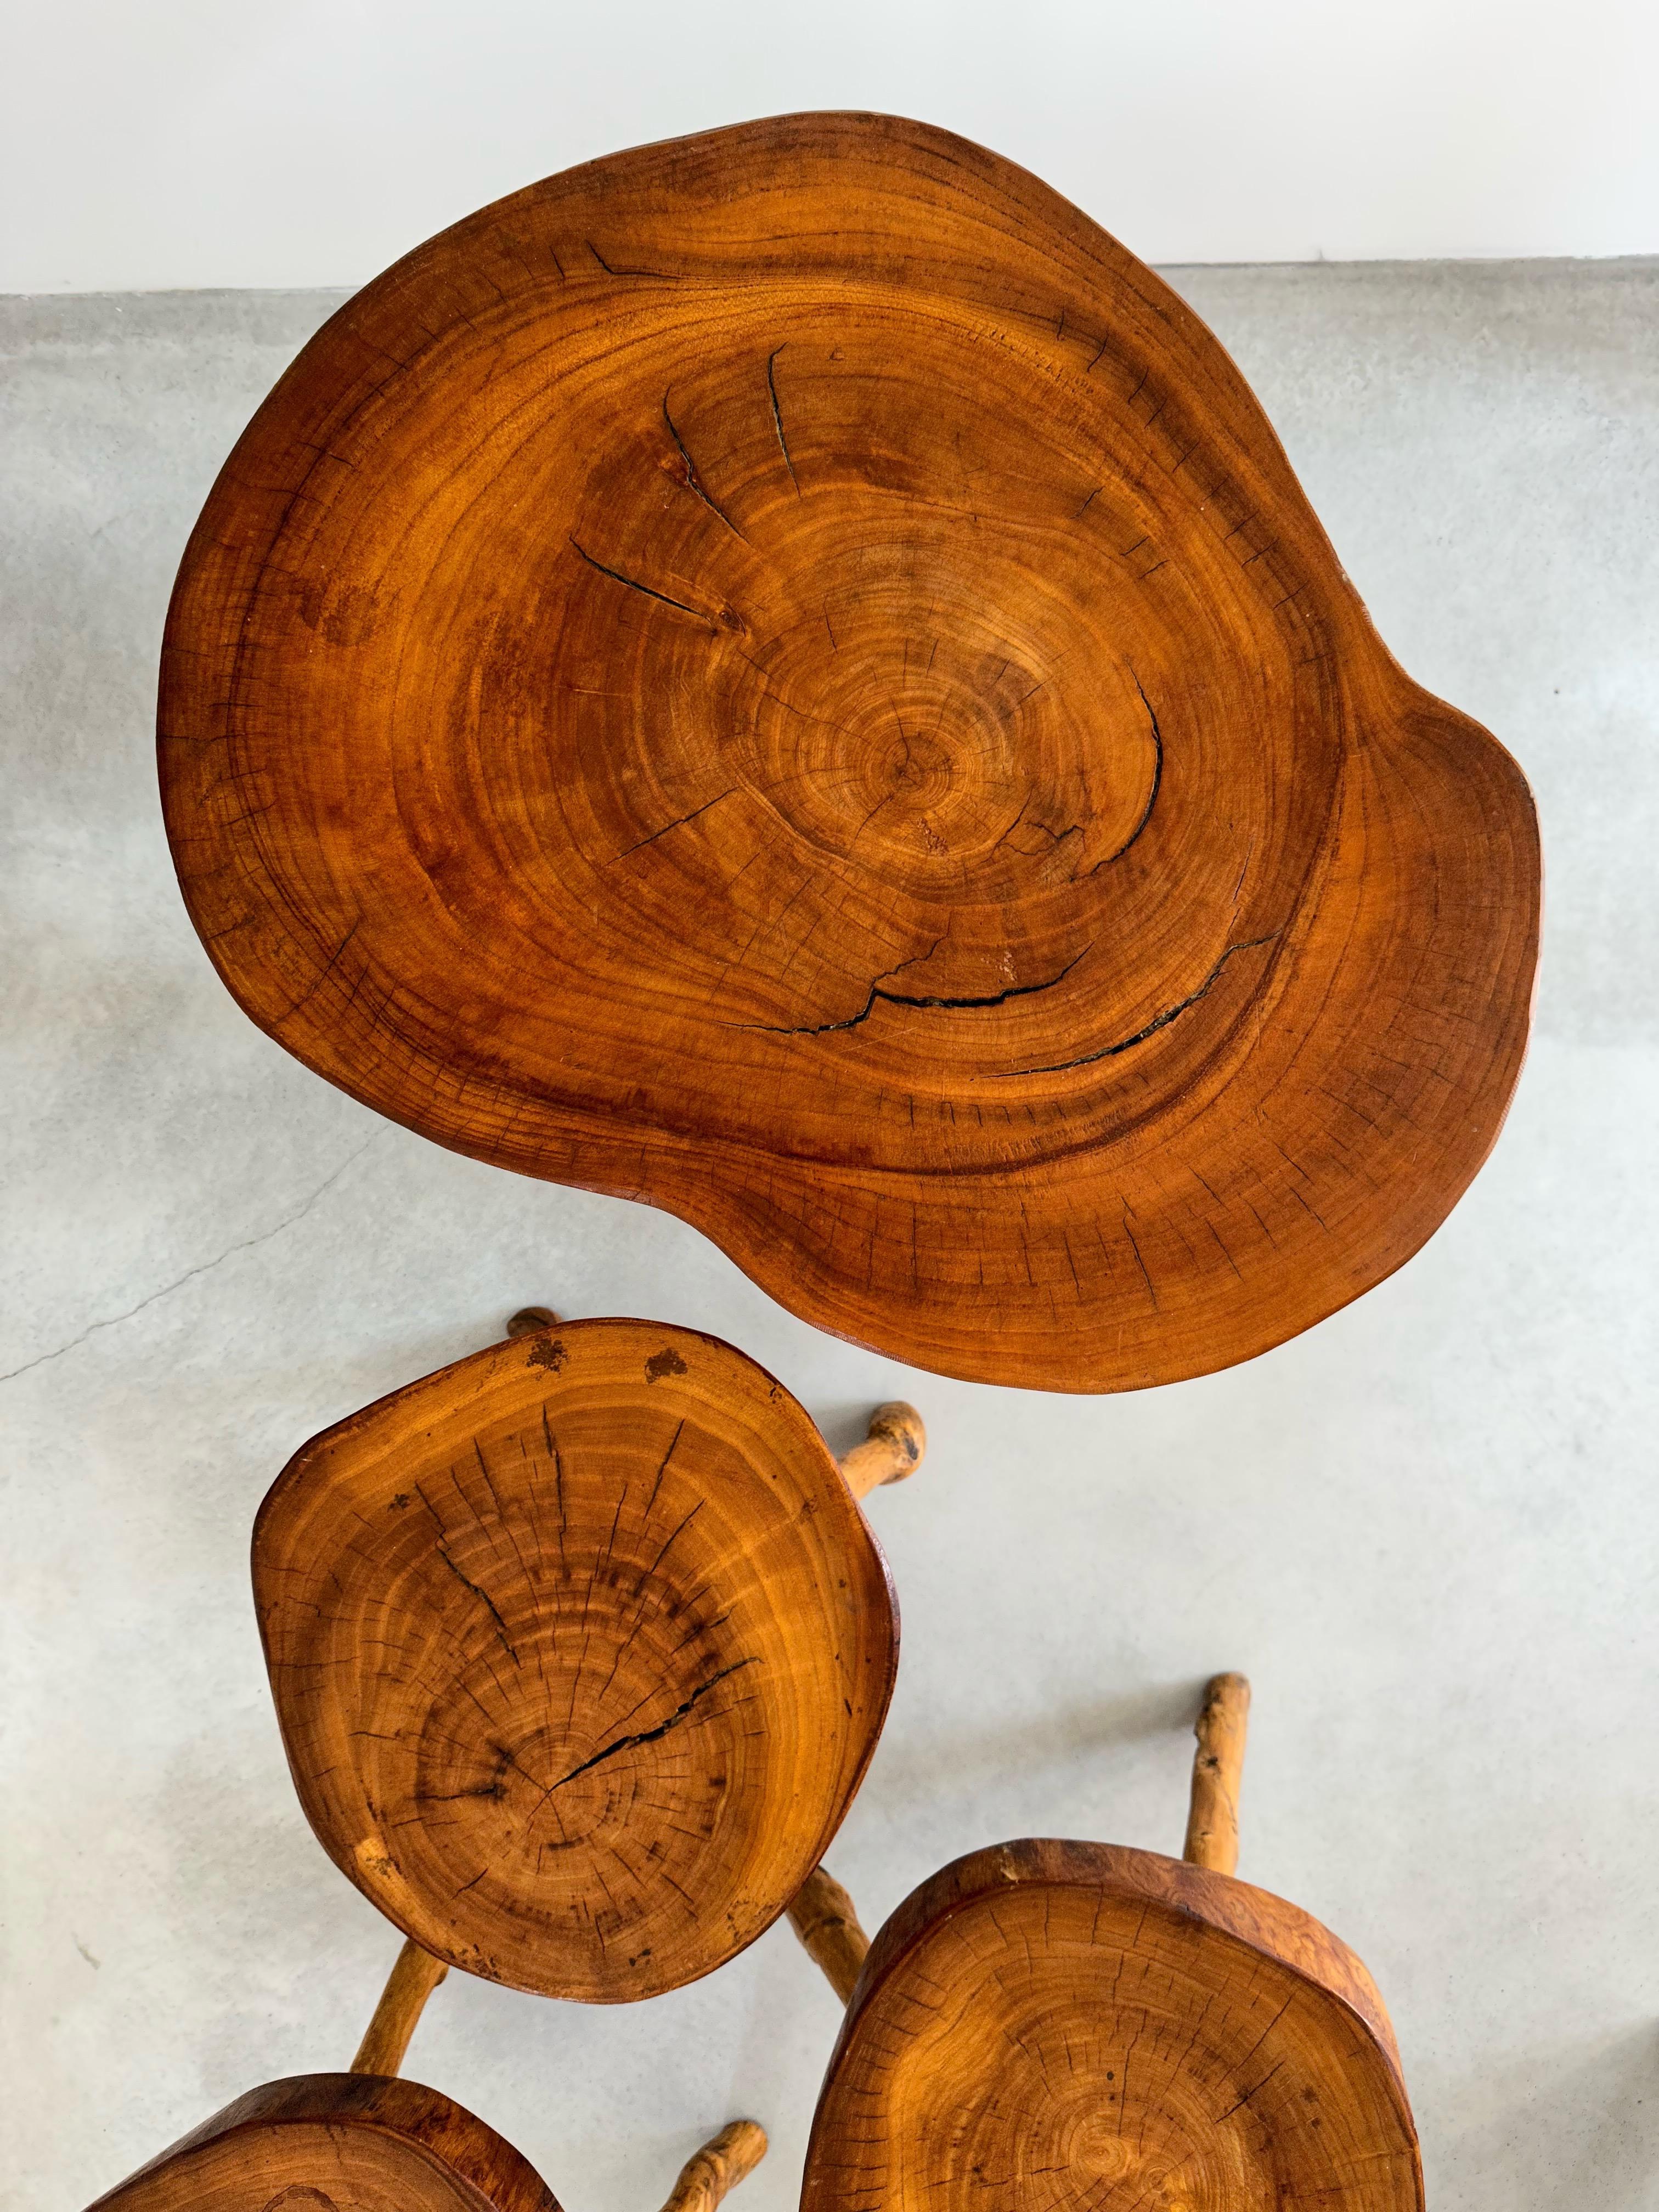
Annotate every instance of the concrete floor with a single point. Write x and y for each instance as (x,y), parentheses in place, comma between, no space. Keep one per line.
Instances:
(1427,1530)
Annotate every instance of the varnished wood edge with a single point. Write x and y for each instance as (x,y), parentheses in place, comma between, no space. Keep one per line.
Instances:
(860,1530)
(500,2177)
(1053,1861)
(343,1430)
(666,1163)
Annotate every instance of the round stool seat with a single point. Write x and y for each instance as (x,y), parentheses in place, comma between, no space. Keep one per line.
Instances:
(1047,2025)
(337,2142)
(580,1650)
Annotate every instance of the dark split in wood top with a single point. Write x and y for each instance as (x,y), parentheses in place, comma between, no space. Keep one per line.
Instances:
(579,1648)
(785,675)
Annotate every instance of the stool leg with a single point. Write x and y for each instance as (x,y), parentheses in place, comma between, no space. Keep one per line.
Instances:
(892,1450)
(530,1319)
(709,2173)
(1217,1767)
(411,1982)
(824,1917)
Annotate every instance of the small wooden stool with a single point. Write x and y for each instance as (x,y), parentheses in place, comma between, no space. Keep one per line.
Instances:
(579,1648)
(1044,2024)
(364,2142)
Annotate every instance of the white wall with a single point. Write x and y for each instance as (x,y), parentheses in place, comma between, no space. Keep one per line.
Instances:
(202,142)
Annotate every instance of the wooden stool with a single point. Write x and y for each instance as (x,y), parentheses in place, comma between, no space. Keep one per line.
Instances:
(364,2142)
(1044,2024)
(786,676)
(579,1648)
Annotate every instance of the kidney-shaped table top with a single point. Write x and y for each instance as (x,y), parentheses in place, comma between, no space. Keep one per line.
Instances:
(785,675)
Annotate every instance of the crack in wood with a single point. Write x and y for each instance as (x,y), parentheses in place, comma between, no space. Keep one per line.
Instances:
(1158,1021)
(634,585)
(783,442)
(692,480)
(652,1736)
(903,999)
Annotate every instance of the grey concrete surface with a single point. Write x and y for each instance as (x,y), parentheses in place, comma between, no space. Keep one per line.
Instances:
(1427,1530)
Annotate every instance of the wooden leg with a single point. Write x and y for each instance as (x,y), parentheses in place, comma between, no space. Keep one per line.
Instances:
(529,1319)
(1217,1767)
(403,2000)
(892,1450)
(709,2173)
(823,1916)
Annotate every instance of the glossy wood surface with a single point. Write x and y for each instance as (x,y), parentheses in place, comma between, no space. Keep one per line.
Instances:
(351,2143)
(337,2142)
(1046,2025)
(579,1648)
(785,675)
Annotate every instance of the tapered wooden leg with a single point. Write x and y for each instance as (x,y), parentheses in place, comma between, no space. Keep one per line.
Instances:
(711,2172)
(823,1916)
(403,2000)
(892,1450)
(1217,1768)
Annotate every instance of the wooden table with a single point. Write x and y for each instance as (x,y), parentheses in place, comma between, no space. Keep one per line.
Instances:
(785,675)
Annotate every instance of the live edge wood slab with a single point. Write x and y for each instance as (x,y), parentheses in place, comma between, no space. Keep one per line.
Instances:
(337,2142)
(352,2143)
(1043,2024)
(579,1648)
(785,675)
